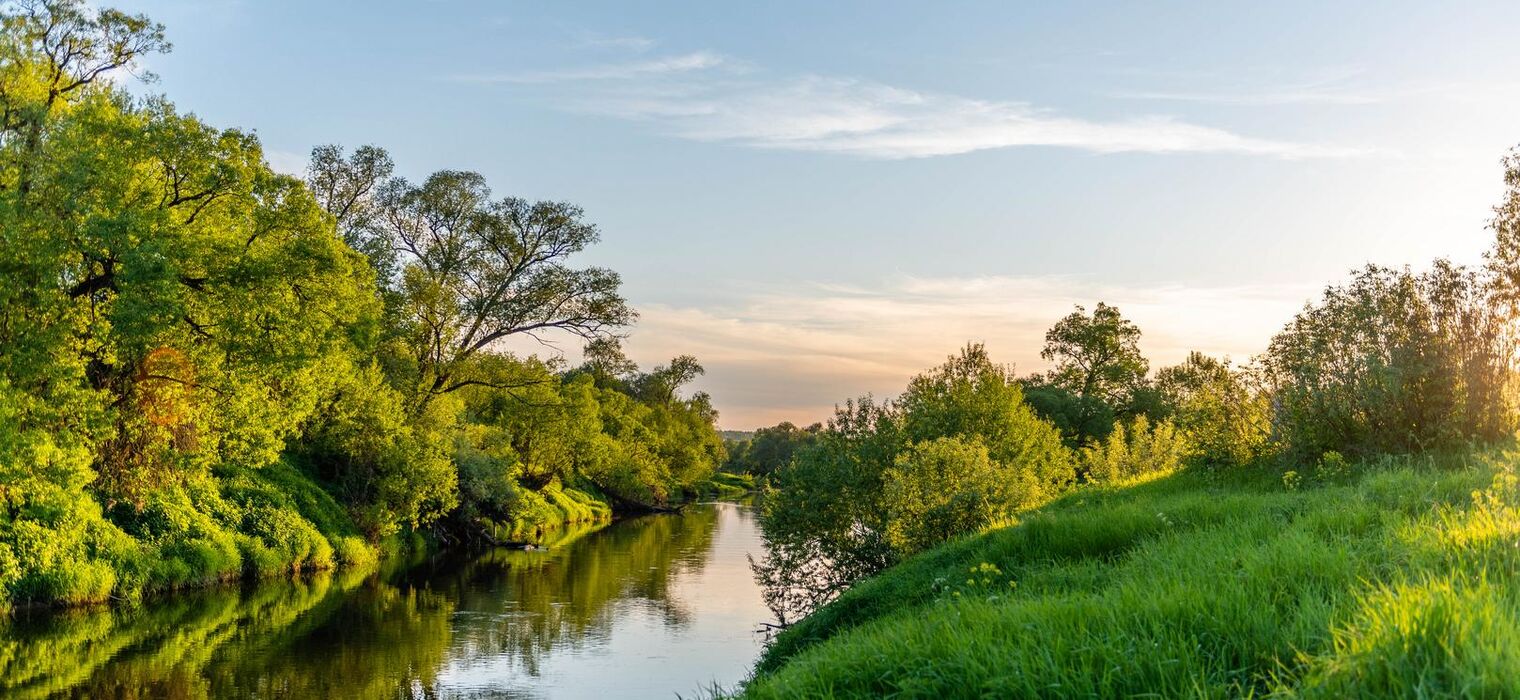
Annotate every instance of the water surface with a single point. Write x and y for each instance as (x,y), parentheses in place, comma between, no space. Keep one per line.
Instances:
(649,607)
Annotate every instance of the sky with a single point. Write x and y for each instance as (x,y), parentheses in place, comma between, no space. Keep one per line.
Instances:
(819,200)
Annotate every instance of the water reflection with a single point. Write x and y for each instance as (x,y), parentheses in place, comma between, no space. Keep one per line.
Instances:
(642,608)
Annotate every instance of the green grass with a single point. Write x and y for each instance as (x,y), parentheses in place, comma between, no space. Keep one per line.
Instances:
(727,485)
(1396,579)
(554,515)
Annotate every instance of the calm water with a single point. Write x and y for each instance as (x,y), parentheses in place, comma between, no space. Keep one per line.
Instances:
(644,608)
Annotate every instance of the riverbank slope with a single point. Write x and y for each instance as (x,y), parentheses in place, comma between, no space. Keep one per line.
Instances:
(248,524)
(1395,578)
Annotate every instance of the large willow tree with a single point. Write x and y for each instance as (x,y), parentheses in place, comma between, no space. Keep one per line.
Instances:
(465,271)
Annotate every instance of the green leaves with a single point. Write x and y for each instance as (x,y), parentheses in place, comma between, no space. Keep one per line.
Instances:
(1096,356)
(943,488)
(466,271)
(1394,361)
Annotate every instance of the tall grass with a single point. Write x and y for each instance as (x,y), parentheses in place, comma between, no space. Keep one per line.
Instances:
(1390,579)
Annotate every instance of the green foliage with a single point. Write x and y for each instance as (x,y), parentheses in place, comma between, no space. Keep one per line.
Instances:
(1133,450)
(725,485)
(552,429)
(769,449)
(1393,361)
(819,518)
(1099,368)
(1080,420)
(1503,258)
(957,451)
(213,370)
(468,271)
(971,397)
(944,488)
(1223,417)
(391,467)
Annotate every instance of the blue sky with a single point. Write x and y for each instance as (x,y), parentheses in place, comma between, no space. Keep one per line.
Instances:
(819,199)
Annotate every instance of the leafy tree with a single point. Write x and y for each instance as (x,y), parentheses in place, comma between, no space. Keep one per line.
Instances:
(971,397)
(661,384)
(769,449)
(828,520)
(822,526)
(1393,361)
(1097,360)
(393,471)
(171,308)
(1503,257)
(1079,420)
(1224,418)
(345,186)
(58,53)
(193,343)
(606,362)
(469,271)
(194,287)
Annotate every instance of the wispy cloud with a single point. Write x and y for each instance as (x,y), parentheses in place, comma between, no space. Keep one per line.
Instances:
(873,120)
(685,63)
(792,354)
(703,96)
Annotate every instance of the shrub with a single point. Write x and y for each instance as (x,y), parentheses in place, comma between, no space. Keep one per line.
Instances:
(391,471)
(1133,450)
(945,488)
(1220,413)
(1392,362)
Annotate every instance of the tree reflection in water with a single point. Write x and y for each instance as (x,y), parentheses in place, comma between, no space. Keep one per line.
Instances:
(376,634)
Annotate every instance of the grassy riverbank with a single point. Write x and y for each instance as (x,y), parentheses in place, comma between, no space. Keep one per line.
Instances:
(234,523)
(250,524)
(1395,578)
(241,524)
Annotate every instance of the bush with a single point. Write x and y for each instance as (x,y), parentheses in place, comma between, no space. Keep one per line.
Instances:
(946,488)
(1133,450)
(1393,362)
(1220,413)
(391,471)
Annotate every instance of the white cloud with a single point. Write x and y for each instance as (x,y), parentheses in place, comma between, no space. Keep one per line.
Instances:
(793,354)
(703,96)
(685,63)
(873,120)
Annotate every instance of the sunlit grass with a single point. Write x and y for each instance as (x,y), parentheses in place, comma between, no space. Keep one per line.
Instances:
(1395,579)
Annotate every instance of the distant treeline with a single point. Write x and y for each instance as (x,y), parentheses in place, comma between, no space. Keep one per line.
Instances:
(210,369)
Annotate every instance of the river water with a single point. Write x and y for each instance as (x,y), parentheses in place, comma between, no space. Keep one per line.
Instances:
(650,607)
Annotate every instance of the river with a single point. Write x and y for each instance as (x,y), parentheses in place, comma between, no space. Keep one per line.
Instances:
(649,607)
